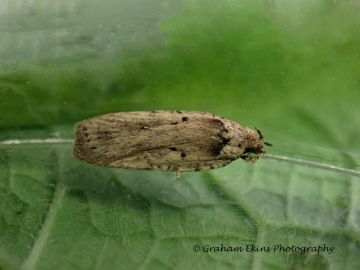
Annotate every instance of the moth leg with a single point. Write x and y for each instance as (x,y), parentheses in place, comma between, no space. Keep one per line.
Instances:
(247,158)
(178,175)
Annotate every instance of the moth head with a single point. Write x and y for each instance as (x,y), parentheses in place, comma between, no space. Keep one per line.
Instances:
(254,146)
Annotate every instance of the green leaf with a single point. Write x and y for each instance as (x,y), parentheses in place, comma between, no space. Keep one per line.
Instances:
(290,70)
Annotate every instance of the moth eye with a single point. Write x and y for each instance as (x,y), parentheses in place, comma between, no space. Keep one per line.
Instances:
(185,119)
(239,145)
(183,155)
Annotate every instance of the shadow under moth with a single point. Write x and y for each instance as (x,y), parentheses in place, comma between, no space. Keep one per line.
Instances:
(178,141)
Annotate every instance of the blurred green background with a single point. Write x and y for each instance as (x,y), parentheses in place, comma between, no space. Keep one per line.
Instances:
(290,68)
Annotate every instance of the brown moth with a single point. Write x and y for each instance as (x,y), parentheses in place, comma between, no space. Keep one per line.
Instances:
(178,141)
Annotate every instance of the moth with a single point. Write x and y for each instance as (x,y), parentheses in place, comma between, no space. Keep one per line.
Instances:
(178,141)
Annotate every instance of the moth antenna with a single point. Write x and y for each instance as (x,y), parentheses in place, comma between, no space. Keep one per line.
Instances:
(260,135)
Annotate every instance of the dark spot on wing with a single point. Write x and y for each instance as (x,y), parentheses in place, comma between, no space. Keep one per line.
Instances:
(225,141)
(216,150)
(217,122)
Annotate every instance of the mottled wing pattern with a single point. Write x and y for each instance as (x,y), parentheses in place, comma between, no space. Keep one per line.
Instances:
(157,140)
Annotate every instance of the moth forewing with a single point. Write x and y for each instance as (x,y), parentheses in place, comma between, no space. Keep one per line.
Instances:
(180,141)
